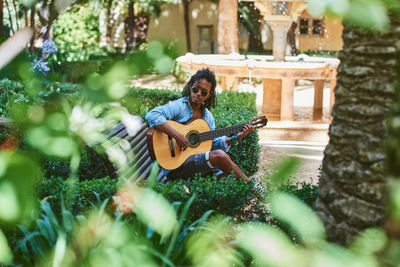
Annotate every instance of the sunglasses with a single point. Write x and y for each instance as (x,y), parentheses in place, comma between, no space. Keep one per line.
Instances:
(195,90)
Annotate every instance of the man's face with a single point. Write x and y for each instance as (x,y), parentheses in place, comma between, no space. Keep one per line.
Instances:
(200,91)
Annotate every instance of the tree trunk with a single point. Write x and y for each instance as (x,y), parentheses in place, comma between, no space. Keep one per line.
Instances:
(32,25)
(254,29)
(291,39)
(1,19)
(52,16)
(109,33)
(351,194)
(10,17)
(187,24)
(141,28)
(16,14)
(228,40)
(26,17)
(130,27)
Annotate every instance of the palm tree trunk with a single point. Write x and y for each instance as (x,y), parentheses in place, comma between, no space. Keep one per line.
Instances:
(351,194)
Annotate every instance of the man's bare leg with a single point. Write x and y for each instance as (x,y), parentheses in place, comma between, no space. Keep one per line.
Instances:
(222,161)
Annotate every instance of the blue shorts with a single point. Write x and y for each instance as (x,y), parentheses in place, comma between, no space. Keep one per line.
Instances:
(195,164)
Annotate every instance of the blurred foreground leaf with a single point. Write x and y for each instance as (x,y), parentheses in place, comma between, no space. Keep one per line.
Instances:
(283,170)
(371,14)
(5,251)
(269,246)
(369,242)
(18,173)
(210,245)
(299,217)
(154,210)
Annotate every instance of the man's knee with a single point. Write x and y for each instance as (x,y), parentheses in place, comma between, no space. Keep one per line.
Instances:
(217,156)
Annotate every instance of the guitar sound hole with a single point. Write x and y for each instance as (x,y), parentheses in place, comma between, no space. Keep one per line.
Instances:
(193,139)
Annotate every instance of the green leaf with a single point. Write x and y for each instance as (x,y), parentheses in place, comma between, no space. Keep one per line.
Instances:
(156,211)
(299,217)
(369,241)
(6,256)
(269,246)
(367,13)
(283,170)
(17,200)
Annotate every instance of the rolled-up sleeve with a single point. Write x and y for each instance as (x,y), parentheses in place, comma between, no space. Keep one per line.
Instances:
(161,114)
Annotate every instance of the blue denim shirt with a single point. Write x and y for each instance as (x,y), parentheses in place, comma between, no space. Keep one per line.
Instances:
(181,111)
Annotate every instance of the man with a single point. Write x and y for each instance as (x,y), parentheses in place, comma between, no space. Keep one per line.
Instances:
(198,97)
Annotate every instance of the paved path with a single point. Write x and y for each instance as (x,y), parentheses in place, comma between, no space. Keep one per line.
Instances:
(309,153)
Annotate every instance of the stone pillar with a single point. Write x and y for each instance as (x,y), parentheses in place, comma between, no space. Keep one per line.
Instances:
(332,85)
(229,83)
(271,105)
(280,30)
(318,99)
(228,41)
(287,111)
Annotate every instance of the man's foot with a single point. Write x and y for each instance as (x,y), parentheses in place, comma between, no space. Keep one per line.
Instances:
(258,189)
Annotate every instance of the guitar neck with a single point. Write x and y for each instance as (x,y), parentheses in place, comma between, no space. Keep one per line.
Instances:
(204,136)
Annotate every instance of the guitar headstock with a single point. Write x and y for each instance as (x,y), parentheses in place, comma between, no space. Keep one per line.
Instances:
(259,121)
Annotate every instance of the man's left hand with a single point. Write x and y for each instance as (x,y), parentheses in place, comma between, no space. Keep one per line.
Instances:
(247,128)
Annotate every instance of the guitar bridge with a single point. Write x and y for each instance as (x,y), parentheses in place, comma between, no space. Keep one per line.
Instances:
(171,146)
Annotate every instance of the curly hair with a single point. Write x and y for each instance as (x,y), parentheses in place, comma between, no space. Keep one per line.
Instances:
(209,76)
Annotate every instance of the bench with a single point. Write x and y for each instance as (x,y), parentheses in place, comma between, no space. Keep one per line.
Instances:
(139,163)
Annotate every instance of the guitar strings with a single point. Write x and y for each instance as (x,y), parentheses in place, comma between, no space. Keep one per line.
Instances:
(220,132)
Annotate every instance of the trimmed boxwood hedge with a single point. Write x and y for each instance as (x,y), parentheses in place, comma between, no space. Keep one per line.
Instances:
(230,197)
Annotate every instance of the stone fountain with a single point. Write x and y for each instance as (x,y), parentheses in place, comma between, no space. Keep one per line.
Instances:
(278,72)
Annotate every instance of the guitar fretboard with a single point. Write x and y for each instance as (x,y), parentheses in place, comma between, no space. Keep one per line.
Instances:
(204,136)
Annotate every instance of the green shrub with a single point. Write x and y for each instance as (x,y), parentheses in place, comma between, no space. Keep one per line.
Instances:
(140,101)
(77,34)
(237,108)
(85,193)
(303,191)
(92,166)
(14,93)
(228,196)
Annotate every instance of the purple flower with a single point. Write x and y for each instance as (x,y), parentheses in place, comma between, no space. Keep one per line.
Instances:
(49,47)
(41,66)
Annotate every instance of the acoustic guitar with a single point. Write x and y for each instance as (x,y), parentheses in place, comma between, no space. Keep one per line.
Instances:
(165,150)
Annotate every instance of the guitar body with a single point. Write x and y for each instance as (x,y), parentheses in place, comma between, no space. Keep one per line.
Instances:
(167,151)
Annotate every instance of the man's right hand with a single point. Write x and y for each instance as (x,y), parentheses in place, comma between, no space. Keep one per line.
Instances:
(181,141)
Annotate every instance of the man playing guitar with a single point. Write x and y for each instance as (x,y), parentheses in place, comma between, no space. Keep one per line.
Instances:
(198,97)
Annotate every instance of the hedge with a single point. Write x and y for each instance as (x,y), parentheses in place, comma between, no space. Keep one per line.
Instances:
(228,196)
